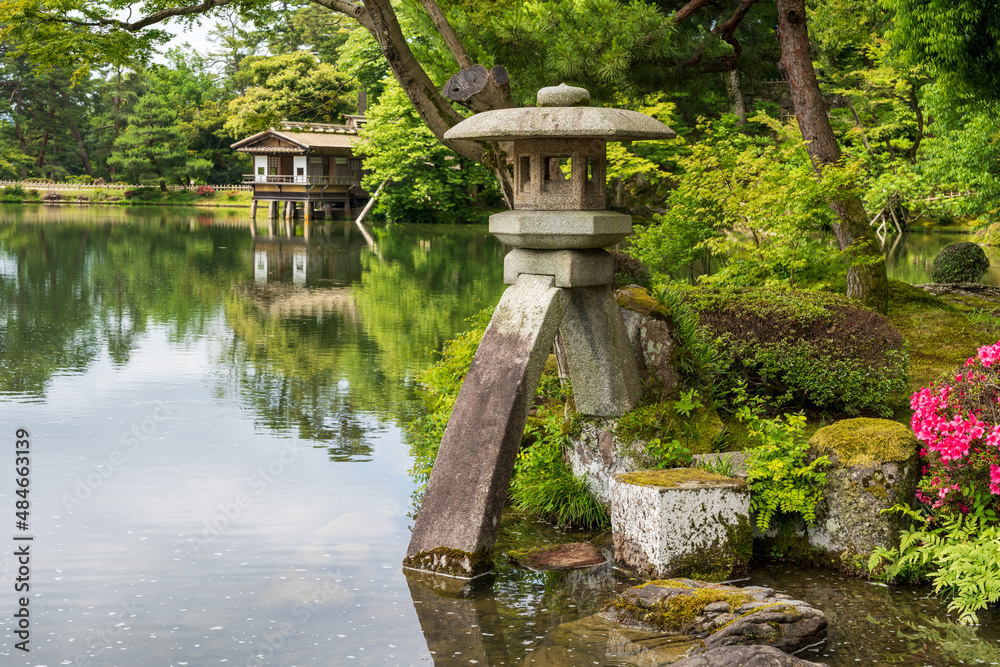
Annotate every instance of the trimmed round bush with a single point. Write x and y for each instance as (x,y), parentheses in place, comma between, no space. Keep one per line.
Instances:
(963,262)
(805,349)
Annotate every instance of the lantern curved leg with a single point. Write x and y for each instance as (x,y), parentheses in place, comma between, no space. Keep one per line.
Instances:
(457,524)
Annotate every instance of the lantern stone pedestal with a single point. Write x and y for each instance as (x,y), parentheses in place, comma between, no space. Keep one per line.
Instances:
(561,282)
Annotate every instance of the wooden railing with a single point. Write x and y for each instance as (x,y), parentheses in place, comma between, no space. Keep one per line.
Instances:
(303,180)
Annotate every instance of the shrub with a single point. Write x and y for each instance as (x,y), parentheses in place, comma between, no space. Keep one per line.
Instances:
(804,349)
(206,190)
(13,191)
(958,420)
(963,262)
(782,479)
(52,196)
(232,194)
(955,539)
(959,554)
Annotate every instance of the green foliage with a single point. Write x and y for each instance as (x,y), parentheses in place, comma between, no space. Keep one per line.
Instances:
(671,430)
(293,86)
(720,465)
(429,182)
(959,554)
(782,479)
(361,58)
(963,262)
(150,150)
(958,39)
(753,200)
(805,349)
(699,361)
(544,487)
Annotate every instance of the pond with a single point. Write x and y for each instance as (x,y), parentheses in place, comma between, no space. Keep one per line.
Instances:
(219,470)
(909,257)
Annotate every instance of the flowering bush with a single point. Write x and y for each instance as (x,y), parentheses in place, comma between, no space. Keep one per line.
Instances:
(206,190)
(959,423)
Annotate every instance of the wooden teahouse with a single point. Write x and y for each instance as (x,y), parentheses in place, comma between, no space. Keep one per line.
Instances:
(312,164)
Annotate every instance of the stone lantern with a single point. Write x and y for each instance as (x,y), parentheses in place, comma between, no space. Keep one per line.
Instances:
(561,284)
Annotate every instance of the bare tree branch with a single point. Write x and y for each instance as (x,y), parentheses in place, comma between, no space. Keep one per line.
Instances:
(447,33)
(726,30)
(687,10)
(170,13)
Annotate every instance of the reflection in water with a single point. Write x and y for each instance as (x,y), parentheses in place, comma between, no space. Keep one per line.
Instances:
(226,533)
(910,257)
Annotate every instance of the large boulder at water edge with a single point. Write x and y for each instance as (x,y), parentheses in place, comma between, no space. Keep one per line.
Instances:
(874,465)
(745,656)
(719,615)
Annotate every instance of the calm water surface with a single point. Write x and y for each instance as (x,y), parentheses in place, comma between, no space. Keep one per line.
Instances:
(909,257)
(219,470)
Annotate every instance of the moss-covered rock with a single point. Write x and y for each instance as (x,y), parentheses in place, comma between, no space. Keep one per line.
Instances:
(718,614)
(864,442)
(639,300)
(874,465)
(686,478)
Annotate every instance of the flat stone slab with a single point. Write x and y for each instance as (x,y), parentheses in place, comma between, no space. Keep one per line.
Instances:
(556,230)
(572,556)
(681,521)
(719,615)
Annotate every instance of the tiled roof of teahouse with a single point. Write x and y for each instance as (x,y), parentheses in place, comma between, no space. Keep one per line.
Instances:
(304,135)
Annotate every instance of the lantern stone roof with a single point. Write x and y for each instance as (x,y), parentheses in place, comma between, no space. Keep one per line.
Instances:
(560,115)
(560,123)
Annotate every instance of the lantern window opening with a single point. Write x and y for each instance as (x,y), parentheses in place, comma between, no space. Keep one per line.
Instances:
(524,175)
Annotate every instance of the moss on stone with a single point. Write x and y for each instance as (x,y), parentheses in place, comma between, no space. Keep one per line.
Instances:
(678,477)
(666,583)
(452,562)
(658,419)
(677,613)
(866,442)
(639,299)
(520,555)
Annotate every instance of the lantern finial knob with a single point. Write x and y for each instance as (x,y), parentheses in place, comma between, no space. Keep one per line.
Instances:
(563,96)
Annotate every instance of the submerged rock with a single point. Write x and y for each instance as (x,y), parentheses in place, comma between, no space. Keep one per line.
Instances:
(719,615)
(745,656)
(571,556)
